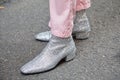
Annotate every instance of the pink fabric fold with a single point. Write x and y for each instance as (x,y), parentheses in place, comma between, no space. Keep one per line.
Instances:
(62,13)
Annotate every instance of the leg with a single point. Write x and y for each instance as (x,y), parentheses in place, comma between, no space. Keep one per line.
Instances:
(82,4)
(61,44)
(61,17)
(81,24)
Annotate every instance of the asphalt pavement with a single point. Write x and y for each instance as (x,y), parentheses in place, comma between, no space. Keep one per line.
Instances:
(98,58)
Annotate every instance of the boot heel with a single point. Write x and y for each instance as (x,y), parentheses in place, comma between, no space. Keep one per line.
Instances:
(71,56)
(82,35)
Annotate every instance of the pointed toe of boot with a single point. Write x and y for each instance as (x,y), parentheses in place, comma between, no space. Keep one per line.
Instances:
(31,70)
(24,70)
(44,36)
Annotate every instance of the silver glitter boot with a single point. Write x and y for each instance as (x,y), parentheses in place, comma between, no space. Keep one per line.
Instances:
(81,28)
(56,50)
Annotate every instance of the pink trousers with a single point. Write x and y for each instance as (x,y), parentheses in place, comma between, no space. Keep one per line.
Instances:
(62,13)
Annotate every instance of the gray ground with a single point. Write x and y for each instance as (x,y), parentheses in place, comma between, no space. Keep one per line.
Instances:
(98,58)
